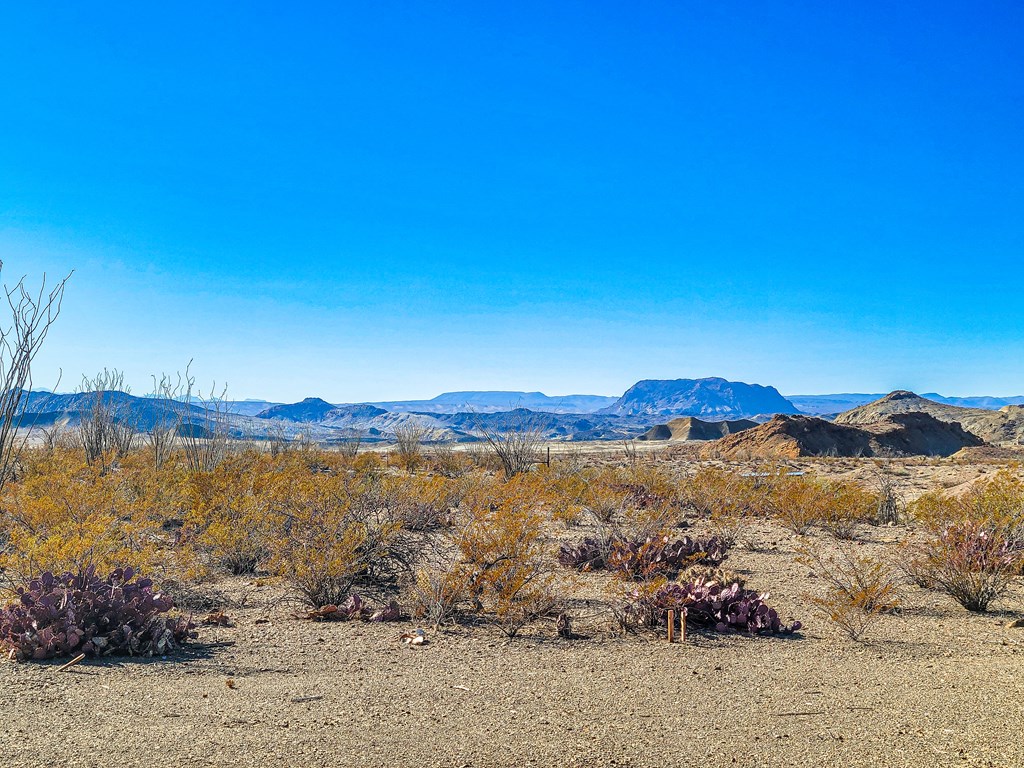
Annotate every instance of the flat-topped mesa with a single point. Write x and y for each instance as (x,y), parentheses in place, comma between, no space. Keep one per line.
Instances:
(710,399)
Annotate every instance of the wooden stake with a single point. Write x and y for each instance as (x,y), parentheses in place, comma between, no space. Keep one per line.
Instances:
(671,625)
(682,626)
(71,663)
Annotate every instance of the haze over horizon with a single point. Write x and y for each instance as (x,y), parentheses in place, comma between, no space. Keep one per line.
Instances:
(393,201)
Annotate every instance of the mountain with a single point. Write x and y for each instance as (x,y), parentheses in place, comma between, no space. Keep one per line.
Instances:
(898,434)
(42,409)
(986,402)
(550,426)
(691,428)
(1003,426)
(313,410)
(711,399)
(492,402)
(820,405)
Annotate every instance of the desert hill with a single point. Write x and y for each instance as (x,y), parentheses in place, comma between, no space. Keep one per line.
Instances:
(1003,426)
(898,434)
(316,411)
(709,399)
(691,428)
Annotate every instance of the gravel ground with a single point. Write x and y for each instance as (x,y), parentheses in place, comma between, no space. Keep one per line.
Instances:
(935,687)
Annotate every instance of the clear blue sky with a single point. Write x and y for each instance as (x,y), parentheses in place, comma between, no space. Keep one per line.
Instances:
(388,200)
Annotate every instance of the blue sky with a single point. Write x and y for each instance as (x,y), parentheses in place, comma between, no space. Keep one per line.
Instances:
(388,200)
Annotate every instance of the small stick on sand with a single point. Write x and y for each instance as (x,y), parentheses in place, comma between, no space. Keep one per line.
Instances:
(682,626)
(796,714)
(71,663)
(671,625)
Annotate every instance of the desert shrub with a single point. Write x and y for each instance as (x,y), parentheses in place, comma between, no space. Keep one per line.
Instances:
(561,490)
(727,499)
(836,505)
(843,505)
(859,589)
(367,462)
(230,520)
(971,561)
(439,593)
(604,497)
(83,613)
(712,490)
(419,502)
(66,515)
(517,447)
(797,503)
(504,554)
(708,604)
(338,537)
(446,461)
(974,545)
(889,503)
(409,438)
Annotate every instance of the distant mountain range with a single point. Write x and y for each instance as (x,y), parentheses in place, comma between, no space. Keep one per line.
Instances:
(492,402)
(818,405)
(708,403)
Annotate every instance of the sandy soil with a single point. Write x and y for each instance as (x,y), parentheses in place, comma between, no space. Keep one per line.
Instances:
(934,686)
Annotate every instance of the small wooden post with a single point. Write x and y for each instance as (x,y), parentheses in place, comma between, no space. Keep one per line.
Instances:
(671,625)
(549,456)
(682,625)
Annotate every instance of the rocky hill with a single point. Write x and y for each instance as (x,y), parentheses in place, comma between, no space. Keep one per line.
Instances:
(691,428)
(1005,426)
(898,434)
(709,399)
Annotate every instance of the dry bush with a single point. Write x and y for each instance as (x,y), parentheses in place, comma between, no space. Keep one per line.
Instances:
(797,503)
(507,559)
(409,438)
(421,503)
(31,318)
(859,589)
(447,461)
(106,423)
(974,548)
(440,591)
(890,506)
(230,519)
(65,515)
(337,537)
(653,501)
(836,505)
(844,505)
(517,446)
(605,497)
(727,499)
(562,491)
